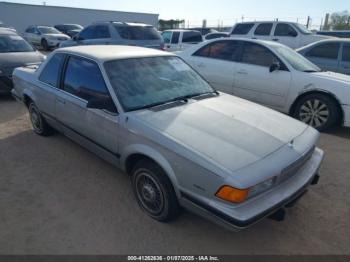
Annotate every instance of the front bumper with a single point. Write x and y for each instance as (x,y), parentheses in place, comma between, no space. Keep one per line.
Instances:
(5,84)
(346,110)
(246,214)
(54,43)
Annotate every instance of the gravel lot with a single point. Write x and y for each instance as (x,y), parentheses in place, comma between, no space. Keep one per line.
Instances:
(57,198)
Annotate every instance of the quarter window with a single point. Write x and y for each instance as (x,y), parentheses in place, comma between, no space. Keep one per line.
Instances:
(242,29)
(346,53)
(328,51)
(285,30)
(224,50)
(84,79)
(50,73)
(255,54)
(263,29)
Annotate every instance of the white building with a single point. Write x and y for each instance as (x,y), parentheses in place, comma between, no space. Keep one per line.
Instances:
(20,16)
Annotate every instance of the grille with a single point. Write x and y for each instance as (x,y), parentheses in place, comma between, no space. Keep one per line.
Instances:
(292,169)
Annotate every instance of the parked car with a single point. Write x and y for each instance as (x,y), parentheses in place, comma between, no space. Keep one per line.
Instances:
(180,39)
(204,30)
(331,55)
(14,52)
(290,34)
(46,37)
(337,33)
(181,142)
(117,33)
(4,26)
(69,29)
(216,35)
(276,76)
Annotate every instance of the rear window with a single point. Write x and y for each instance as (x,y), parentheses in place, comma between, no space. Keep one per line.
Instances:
(242,29)
(192,37)
(138,32)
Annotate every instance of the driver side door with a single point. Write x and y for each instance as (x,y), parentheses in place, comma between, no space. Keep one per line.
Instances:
(255,82)
(97,129)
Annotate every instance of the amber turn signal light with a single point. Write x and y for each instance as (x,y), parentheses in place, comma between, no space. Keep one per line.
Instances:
(231,194)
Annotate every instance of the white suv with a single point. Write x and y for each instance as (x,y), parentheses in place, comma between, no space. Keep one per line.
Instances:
(290,34)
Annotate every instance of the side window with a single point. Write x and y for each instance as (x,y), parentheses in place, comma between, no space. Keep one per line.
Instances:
(346,53)
(50,73)
(328,51)
(167,37)
(224,50)
(175,38)
(100,32)
(84,79)
(263,29)
(255,54)
(242,29)
(285,30)
(192,37)
(87,33)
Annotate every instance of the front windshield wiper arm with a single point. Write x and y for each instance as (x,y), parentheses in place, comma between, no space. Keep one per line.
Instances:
(203,94)
(311,71)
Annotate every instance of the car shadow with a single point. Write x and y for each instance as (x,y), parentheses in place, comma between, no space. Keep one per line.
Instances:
(343,132)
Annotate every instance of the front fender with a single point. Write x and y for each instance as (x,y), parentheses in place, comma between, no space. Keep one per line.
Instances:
(154,155)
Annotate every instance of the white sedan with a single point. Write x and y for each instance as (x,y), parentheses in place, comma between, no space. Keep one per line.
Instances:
(276,76)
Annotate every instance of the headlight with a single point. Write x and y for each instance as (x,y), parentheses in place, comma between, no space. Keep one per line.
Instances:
(259,188)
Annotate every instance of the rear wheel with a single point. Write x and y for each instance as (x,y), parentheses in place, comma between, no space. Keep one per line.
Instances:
(154,191)
(317,110)
(39,124)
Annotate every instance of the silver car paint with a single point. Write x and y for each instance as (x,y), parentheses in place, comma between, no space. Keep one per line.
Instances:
(199,145)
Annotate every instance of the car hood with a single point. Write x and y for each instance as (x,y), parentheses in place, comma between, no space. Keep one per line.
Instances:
(332,76)
(227,131)
(18,59)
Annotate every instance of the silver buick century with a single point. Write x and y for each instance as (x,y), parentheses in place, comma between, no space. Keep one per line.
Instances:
(181,142)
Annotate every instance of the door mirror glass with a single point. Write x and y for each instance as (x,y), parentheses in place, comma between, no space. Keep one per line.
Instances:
(105,103)
(275,66)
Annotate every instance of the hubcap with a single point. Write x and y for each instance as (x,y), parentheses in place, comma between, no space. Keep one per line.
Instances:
(149,193)
(314,113)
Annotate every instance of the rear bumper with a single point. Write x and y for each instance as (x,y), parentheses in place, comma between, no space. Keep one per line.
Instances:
(247,214)
(346,110)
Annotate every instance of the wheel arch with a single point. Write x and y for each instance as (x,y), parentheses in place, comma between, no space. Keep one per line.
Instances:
(27,97)
(322,92)
(135,153)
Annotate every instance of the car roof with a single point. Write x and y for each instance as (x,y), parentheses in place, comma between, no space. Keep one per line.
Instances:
(331,40)
(102,53)
(121,23)
(7,31)
(181,30)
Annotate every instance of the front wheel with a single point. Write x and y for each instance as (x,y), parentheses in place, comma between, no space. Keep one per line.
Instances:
(317,110)
(154,191)
(45,45)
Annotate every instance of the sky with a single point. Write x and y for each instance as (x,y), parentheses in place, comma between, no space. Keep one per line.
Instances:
(215,11)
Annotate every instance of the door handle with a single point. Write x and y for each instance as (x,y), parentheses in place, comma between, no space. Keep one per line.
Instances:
(242,72)
(254,38)
(201,65)
(62,101)
(275,39)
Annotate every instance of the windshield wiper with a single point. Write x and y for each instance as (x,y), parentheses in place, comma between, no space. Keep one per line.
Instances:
(311,71)
(216,93)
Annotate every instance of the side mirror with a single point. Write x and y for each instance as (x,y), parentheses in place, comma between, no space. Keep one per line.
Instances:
(275,66)
(105,103)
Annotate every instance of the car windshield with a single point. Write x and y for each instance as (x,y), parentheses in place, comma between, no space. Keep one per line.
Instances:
(14,43)
(48,30)
(146,82)
(303,29)
(297,61)
(138,32)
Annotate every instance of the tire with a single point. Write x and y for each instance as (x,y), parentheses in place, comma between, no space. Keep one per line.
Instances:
(45,45)
(318,110)
(154,191)
(39,124)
